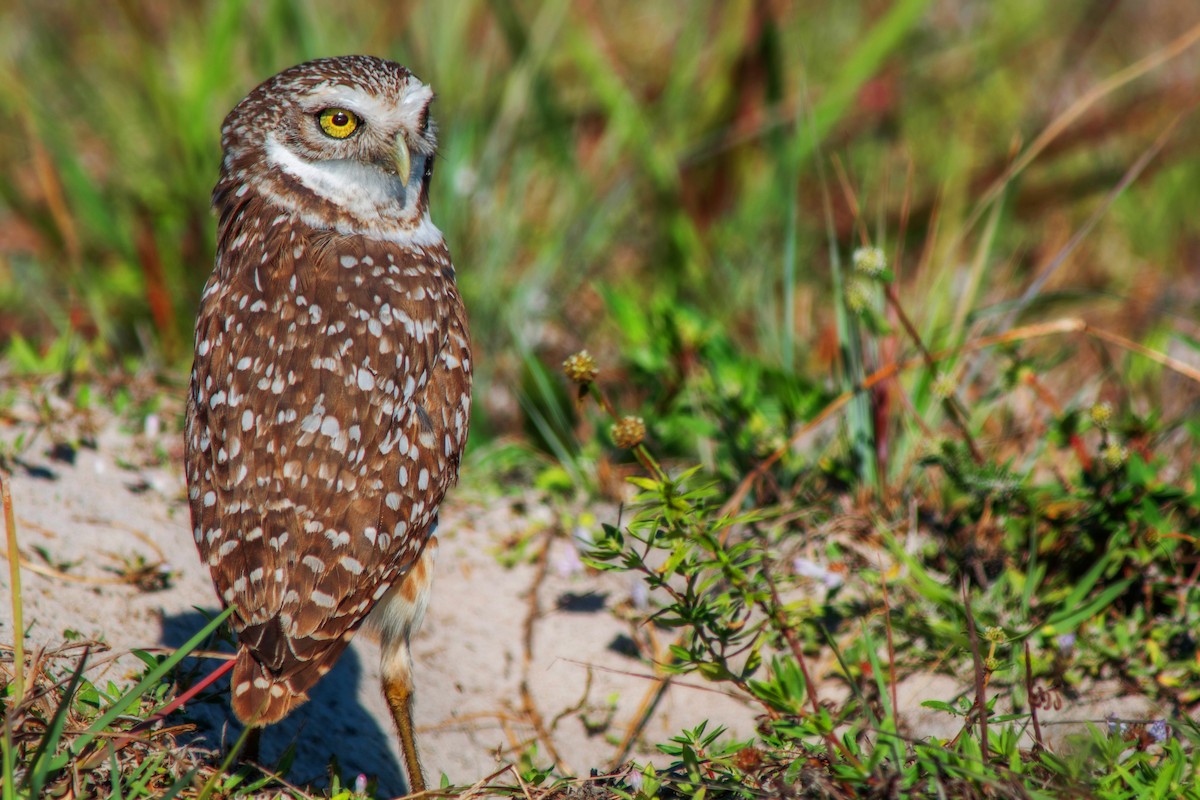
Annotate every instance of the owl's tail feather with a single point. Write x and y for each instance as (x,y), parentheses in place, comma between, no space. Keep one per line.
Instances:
(260,698)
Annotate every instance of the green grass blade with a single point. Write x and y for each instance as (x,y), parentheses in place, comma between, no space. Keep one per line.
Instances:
(1070,616)
(864,62)
(130,697)
(114,773)
(211,784)
(6,752)
(38,771)
(185,781)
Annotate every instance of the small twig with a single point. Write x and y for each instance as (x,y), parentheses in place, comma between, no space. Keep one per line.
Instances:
(456,722)
(515,743)
(485,783)
(952,405)
(182,699)
(980,703)
(851,198)
(215,655)
(887,623)
(48,571)
(178,702)
(531,615)
(641,718)
(798,653)
(707,687)
(520,782)
(1033,706)
(583,698)
(790,636)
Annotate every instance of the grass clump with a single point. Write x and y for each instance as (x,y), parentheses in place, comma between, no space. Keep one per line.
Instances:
(1040,567)
(64,734)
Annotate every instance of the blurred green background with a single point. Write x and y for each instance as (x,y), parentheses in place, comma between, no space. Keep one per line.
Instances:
(637,178)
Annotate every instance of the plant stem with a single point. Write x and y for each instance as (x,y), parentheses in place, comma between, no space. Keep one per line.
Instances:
(980,681)
(14,572)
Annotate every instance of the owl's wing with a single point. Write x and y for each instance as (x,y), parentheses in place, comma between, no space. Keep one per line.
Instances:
(327,416)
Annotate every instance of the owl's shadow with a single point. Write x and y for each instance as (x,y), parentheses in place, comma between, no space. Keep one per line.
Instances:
(331,725)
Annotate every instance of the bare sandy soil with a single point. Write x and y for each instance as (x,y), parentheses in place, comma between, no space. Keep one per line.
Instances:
(89,516)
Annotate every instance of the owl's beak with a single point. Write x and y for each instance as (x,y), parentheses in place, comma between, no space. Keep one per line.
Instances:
(402,159)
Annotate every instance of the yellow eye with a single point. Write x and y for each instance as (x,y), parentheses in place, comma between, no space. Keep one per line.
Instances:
(338,122)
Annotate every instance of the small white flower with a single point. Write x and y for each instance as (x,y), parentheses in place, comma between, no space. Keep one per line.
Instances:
(811,569)
(639,594)
(566,562)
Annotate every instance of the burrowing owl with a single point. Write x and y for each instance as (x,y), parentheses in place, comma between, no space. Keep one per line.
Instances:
(331,388)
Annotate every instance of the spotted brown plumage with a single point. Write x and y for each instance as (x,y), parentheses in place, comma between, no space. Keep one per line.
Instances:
(330,393)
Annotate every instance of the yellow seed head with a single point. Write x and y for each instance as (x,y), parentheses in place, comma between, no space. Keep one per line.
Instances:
(869,261)
(1114,455)
(858,295)
(944,386)
(581,367)
(629,432)
(1101,414)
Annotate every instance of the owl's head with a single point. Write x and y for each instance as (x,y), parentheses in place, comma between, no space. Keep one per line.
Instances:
(345,142)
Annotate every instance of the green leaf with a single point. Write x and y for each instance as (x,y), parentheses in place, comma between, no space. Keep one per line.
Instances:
(647,484)
(939,705)
(1069,617)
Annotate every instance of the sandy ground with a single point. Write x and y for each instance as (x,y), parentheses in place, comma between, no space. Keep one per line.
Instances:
(88,514)
(85,514)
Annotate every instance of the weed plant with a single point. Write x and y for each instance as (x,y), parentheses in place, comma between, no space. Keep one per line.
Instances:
(1037,578)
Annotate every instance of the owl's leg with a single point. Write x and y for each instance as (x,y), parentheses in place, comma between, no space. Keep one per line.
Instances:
(398,616)
(251,751)
(398,689)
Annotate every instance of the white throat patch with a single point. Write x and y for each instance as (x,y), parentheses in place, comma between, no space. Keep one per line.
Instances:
(386,207)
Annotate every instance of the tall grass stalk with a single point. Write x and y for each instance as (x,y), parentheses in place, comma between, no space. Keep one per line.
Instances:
(14,574)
